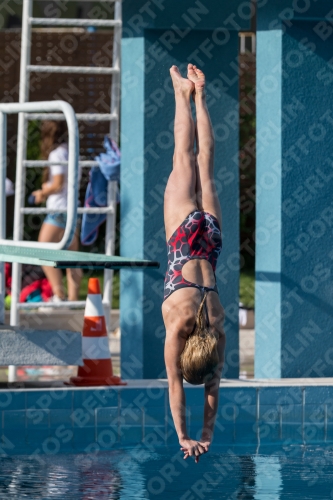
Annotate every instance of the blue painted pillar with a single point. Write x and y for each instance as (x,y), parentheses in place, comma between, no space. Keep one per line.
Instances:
(154,38)
(294,220)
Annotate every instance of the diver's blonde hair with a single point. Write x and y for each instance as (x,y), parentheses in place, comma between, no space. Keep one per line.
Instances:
(200,358)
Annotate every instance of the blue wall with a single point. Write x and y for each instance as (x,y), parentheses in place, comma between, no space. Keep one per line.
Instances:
(268,206)
(294,318)
(149,48)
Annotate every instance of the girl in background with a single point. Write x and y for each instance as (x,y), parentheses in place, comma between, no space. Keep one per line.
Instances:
(54,148)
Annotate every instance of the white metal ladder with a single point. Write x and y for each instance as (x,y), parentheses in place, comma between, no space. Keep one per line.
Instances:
(21,162)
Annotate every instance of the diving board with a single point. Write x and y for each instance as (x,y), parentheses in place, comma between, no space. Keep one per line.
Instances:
(63,259)
(21,346)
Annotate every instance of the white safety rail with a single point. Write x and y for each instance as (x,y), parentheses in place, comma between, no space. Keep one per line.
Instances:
(73,169)
(28,21)
(73,160)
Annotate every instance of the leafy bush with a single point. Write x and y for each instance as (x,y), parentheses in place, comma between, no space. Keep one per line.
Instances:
(33,222)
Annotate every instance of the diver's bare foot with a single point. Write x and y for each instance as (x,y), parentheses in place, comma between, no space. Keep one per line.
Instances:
(198,78)
(181,85)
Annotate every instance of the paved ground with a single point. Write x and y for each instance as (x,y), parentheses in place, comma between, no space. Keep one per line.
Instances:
(246,352)
(73,319)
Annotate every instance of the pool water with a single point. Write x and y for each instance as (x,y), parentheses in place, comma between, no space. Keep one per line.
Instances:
(231,472)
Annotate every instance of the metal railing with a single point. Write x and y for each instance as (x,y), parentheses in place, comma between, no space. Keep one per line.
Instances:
(73,167)
(72,193)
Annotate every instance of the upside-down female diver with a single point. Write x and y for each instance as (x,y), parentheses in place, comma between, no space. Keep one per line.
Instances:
(192,312)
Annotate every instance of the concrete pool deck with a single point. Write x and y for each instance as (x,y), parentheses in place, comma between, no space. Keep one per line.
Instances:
(163,384)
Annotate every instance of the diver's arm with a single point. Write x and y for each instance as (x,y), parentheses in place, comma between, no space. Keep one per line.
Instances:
(212,389)
(210,410)
(173,348)
(174,345)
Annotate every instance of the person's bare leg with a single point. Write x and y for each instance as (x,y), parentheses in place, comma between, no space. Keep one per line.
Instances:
(53,234)
(74,276)
(207,198)
(180,197)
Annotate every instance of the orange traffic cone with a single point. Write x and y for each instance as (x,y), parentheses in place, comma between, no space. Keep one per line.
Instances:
(97,368)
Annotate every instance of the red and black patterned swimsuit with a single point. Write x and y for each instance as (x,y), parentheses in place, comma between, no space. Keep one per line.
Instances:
(198,237)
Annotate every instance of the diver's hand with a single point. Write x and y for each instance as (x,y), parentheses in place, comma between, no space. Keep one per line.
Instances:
(192,448)
(205,443)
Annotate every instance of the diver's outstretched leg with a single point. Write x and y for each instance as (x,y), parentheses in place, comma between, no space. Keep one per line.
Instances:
(207,198)
(180,193)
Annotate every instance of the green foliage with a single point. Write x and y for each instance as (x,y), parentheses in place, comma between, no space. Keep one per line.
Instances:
(247,288)
(32,223)
(33,145)
(247,169)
